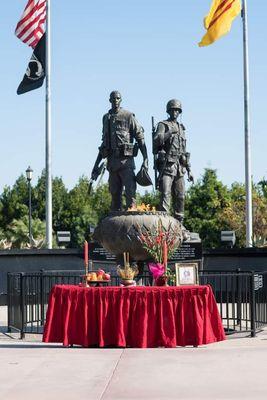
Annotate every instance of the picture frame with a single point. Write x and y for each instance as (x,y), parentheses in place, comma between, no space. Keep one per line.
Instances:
(186,274)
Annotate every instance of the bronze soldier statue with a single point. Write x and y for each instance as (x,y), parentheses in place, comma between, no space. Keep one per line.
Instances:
(172,160)
(121,139)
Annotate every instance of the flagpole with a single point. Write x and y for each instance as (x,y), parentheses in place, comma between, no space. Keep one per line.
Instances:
(48,156)
(249,223)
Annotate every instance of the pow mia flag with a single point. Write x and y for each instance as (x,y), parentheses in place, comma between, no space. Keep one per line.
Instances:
(35,73)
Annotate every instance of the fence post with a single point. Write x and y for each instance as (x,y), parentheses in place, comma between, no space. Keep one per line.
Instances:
(239,296)
(252,305)
(22,305)
(42,296)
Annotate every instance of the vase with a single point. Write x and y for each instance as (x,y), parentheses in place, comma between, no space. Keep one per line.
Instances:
(161,281)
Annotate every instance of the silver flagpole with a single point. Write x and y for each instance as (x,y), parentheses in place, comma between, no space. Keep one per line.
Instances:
(48,157)
(249,223)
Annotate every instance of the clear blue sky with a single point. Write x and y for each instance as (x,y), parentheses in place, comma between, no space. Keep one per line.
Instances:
(147,50)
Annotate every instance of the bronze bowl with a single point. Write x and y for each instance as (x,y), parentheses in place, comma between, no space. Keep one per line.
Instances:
(119,231)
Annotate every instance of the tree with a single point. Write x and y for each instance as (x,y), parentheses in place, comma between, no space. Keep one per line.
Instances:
(60,199)
(262,185)
(60,202)
(38,198)
(14,202)
(204,204)
(259,218)
(100,201)
(82,211)
(17,232)
(234,215)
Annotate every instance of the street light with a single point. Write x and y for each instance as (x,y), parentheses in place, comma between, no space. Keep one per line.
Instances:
(29,172)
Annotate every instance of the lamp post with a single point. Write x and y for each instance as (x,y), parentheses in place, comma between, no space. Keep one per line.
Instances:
(29,172)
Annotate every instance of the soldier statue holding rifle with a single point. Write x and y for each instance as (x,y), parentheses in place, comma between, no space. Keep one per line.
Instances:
(172,160)
(122,137)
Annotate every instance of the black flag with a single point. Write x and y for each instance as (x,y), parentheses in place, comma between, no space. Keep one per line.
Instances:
(35,74)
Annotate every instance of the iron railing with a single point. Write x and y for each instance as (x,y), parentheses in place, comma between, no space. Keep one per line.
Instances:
(241,297)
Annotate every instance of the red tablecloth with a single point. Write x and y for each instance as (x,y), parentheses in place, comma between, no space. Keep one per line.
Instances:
(136,317)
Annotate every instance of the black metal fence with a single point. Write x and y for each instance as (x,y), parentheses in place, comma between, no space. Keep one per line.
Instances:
(241,297)
(28,293)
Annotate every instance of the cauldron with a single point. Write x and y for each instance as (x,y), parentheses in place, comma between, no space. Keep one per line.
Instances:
(119,231)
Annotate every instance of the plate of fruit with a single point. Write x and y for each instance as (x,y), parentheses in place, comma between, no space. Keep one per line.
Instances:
(97,276)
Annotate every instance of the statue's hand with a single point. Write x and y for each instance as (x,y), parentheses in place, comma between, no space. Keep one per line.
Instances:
(190,177)
(145,163)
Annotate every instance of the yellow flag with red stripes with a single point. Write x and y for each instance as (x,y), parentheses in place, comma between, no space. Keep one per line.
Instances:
(219,20)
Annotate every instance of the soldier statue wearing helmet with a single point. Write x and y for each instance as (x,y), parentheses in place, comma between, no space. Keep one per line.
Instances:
(121,139)
(172,160)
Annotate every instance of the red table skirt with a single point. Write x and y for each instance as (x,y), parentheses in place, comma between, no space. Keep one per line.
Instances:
(136,317)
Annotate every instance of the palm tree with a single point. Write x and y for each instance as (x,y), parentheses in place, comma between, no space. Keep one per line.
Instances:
(18,233)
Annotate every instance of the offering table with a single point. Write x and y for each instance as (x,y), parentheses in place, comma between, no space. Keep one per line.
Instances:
(138,316)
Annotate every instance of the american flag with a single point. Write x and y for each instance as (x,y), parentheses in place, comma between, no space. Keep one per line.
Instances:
(31,25)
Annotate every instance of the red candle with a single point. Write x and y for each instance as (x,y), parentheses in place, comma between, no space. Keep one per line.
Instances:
(86,256)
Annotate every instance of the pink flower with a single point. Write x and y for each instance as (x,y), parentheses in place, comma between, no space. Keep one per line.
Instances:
(156,269)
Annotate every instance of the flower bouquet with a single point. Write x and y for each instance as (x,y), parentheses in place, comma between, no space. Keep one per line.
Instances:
(160,244)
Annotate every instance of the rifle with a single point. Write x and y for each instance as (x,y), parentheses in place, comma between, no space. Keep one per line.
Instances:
(154,154)
(102,169)
(99,171)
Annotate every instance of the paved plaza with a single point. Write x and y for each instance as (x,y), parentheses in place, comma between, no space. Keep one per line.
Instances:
(234,369)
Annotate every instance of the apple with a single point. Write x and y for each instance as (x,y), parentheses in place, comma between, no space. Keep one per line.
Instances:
(100,272)
(106,277)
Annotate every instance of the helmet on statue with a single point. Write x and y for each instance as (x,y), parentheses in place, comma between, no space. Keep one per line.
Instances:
(174,104)
(143,178)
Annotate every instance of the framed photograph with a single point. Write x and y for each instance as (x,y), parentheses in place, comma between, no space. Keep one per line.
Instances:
(186,274)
